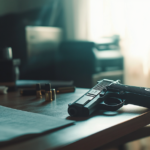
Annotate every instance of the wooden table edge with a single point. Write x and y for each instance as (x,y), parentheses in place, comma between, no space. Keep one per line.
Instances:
(99,139)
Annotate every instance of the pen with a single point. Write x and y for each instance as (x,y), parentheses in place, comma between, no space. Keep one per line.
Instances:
(26,92)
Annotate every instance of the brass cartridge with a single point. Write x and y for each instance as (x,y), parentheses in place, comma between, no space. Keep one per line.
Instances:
(38,91)
(48,92)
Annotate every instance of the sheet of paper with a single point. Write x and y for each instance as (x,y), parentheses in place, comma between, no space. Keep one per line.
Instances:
(16,123)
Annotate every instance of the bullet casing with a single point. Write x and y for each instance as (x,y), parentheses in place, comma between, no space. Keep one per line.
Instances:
(39,94)
(48,95)
(38,91)
(53,94)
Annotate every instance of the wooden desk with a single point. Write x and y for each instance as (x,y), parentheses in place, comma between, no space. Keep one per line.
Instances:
(87,133)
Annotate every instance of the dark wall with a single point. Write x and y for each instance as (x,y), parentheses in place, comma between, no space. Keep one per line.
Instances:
(12,28)
(12,34)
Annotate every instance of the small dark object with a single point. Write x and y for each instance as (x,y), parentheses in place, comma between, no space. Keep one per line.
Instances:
(9,68)
(38,86)
(6,53)
(109,95)
(47,87)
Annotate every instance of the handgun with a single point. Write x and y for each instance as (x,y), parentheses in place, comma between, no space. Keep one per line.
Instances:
(109,95)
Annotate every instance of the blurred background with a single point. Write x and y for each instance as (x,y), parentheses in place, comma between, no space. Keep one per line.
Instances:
(79,40)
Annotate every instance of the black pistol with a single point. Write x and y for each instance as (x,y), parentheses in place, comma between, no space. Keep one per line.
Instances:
(109,95)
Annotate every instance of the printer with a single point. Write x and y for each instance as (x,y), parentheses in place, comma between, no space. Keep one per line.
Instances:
(85,62)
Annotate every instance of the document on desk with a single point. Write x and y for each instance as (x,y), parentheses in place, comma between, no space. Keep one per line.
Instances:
(17,124)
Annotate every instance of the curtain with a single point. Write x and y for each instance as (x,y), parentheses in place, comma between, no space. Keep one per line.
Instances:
(130,19)
(76,19)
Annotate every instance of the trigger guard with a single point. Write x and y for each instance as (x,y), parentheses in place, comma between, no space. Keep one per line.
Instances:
(105,106)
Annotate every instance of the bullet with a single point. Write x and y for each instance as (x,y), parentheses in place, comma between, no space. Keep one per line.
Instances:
(48,92)
(53,94)
(38,91)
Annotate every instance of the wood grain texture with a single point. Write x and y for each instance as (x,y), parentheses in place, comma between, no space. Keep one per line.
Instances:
(88,133)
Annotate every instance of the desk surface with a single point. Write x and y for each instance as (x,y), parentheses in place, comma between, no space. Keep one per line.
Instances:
(87,133)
